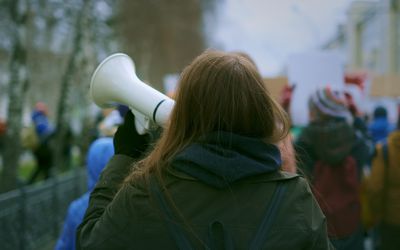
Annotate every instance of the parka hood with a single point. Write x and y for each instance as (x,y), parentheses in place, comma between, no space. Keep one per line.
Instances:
(100,152)
(380,129)
(221,158)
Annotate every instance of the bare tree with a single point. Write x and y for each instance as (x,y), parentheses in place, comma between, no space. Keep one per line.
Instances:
(161,36)
(62,122)
(97,40)
(19,12)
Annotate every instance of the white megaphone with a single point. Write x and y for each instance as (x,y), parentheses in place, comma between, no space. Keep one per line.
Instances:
(114,81)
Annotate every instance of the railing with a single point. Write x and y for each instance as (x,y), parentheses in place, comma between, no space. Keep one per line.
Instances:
(31,217)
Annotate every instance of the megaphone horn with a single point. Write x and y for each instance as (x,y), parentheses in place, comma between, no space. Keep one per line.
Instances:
(115,81)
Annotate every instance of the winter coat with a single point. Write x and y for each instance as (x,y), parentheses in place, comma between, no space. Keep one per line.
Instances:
(99,154)
(375,183)
(223,179)
(331,142)
(44,129)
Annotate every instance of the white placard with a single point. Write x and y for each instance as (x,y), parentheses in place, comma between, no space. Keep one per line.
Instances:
(309,71)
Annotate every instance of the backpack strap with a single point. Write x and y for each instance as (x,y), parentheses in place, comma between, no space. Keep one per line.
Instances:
(385,153)
(175,230)
(267,221)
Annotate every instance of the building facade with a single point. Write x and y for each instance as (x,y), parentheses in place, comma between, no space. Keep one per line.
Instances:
(369,40)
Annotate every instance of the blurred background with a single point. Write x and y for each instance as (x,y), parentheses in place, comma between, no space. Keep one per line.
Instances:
(50,48)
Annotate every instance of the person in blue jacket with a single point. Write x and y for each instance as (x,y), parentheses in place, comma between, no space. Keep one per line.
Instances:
(99,153)
(43,152)
(380,127)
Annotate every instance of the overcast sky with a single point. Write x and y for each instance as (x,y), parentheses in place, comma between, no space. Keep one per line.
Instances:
(270,30)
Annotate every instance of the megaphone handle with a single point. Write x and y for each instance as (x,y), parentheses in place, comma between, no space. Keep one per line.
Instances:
(141,122)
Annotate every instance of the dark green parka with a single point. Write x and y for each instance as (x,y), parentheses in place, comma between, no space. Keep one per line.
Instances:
(218,207)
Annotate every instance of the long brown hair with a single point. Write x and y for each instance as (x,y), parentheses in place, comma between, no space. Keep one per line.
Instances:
(218,91)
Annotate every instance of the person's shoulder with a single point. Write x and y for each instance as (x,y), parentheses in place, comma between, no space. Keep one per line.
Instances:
(135,188)
(119,164)
(298,189)
(296,184)
(304,184)
(296,180)
(299,203)
(285,176)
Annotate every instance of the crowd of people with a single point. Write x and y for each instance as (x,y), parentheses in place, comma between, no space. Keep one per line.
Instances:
(217,159)
(229,172)
(354,176)
(39,135)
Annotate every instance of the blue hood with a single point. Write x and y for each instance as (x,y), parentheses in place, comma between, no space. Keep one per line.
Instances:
(100,152)
(221,158)
(380,129)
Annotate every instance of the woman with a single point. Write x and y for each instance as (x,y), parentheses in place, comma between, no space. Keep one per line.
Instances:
(213,179)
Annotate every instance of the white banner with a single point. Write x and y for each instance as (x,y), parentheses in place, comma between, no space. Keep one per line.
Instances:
(309,71)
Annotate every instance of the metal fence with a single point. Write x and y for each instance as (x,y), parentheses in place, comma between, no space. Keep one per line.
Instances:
(31,217)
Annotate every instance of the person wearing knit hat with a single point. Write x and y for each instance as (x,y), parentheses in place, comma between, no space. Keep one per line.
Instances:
(326,103)
(327,143)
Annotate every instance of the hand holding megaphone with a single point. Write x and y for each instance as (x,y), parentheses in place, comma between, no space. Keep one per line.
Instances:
(142,122)
(115,81)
